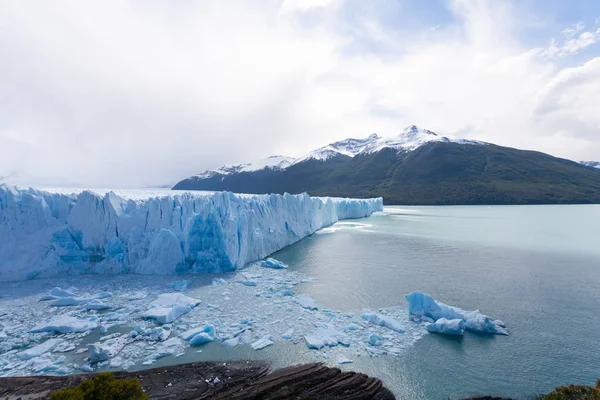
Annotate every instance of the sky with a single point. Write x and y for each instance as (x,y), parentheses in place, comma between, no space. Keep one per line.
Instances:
(140,93)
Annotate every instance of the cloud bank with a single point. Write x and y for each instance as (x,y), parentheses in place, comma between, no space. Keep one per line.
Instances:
(139,93)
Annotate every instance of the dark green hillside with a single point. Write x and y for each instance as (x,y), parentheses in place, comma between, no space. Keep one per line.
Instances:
(435,173)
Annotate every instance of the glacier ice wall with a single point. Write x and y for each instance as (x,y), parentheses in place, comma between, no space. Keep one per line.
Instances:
(46,234)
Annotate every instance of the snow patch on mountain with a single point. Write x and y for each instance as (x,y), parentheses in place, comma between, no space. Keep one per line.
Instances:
(593,164)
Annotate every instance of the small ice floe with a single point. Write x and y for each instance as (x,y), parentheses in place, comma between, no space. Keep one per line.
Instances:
(56,293)
(65,324)
(325,336)
(273,263)
(180,286)
(288,334)
(424,307)
(170,306)
(40,349)
(375,339)
(67,302)
(305,301)
(96,304)
(343,360)
(242,337)
(382,320)
(218,281)
(199,336)
(262,343)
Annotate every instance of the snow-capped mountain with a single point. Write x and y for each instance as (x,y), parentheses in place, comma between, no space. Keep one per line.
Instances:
(410,139)
(273,162)
(416,167)
(593,164)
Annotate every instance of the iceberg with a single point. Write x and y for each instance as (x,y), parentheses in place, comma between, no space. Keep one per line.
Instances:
(425,307)
(45,234)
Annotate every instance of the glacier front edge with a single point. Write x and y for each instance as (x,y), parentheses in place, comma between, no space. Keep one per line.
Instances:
(45,234)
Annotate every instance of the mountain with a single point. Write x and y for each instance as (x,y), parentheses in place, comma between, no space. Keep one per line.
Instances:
(593,164)
(416,167)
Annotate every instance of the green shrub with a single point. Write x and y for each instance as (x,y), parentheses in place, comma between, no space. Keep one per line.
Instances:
(103,387)
(574,392)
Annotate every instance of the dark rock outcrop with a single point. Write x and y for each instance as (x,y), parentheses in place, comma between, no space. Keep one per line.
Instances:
(239,380)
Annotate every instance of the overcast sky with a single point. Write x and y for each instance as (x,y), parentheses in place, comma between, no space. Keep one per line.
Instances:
(131,93)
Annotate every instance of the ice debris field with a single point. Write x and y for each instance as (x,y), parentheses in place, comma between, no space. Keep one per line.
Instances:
(89,314)
(117,322)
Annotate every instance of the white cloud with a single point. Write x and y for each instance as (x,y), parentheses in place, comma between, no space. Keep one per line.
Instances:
(136,93)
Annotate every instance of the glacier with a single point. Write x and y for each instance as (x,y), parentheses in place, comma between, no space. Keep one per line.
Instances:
(45,234)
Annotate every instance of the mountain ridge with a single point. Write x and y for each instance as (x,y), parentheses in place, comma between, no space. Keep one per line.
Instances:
(420,167)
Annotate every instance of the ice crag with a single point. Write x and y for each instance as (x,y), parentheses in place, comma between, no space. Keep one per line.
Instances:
(450,320)
(46,234)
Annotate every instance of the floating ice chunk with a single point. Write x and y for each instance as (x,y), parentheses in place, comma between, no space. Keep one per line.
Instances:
(66,302)
(352,327)
(167,348)
(426,307)
(96,305)
(170,306)
(97,353)
(248,282)
(287,292)
(243,337)
(65,324)
(198,336)
(288,334)
(137,296)
(375,339)
(305,301)
(40,349)
(273,263)
(375,352)
(58,292)
(343,360)
(174,299)
(110,348)
(180,286)
(218,281)
(325,336)
(382,320)
(166,315)
(447,326)
(262,343)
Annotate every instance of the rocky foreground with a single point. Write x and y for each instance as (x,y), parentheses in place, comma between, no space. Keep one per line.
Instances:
(237,380)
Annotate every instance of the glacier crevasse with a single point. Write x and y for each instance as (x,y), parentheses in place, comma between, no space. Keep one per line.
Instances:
(45,234)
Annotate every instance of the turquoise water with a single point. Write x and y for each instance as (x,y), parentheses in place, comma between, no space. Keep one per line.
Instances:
(535,267)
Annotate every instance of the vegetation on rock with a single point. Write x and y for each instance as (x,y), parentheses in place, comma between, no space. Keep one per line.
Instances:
(103,387)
